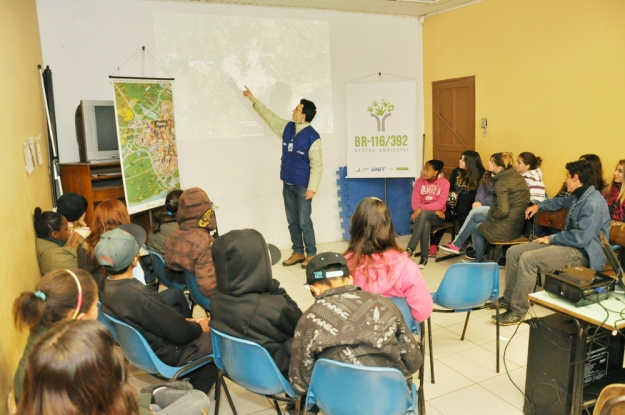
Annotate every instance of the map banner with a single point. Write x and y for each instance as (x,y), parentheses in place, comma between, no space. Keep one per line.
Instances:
(147,141)
(381,129)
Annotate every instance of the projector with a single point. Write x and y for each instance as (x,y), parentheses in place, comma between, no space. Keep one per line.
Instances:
(579,285)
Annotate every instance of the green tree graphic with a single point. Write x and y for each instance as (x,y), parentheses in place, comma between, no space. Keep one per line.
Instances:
(383,110)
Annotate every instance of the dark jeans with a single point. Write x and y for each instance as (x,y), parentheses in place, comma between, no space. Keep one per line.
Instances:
(205,377)
(175,298)
(479,244)
(298,211)
(421,232)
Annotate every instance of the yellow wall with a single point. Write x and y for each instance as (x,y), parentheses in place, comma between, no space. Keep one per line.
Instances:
(549,76)
(21,115)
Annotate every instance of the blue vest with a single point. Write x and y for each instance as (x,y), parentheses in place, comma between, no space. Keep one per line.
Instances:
(295,167)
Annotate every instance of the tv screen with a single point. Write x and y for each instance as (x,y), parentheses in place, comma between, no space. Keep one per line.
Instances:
(96,131)
(105,128)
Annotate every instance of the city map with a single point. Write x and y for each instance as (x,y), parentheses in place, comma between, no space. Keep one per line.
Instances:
(147,142)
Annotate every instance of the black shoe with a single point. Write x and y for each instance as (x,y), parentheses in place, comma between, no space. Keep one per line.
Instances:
(174,384)
(470,253)
(409,251)
(502,262)
(502,304)
(423,262)
(508,318)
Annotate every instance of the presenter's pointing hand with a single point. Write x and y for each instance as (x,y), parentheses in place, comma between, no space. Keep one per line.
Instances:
(309,194)
(248,93)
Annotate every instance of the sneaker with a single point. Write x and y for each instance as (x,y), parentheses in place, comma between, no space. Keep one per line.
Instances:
(294,259)
(423,262)
(508,318)
(409,251)
(174,384)
(307,260)
(467,259)
(502,304)
(502,263)
(451,248)
(433,251)
(470,253)
(187,295)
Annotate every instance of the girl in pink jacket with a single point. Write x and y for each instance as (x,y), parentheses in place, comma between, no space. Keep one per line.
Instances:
(429,199)
(379,265)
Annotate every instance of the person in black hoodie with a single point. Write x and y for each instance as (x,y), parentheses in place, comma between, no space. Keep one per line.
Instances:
(247,302)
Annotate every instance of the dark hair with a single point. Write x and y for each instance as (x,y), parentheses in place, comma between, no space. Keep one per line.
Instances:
(502,160)
(46,222)
(75,369)
(372,232)
(597,169)
(436,164)
(169,214)
(529,158)
(474,169)
(583,169)
(309,109)
(60,291)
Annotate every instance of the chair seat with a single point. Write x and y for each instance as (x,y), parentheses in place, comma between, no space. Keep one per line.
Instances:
(517,241)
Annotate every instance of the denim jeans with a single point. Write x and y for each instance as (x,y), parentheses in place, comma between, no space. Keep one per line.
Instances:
(479,244)
(476,216)
(421,232)
(523,262)
(298,211)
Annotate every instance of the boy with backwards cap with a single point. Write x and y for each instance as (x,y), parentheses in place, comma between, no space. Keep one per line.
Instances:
(348,325)
(175,339)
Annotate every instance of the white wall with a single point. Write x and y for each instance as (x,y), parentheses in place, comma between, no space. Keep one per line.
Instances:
(84,41)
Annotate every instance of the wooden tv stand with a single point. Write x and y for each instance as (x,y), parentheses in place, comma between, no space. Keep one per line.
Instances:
(95,181)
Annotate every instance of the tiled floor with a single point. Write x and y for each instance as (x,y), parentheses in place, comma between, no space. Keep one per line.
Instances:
(466,381)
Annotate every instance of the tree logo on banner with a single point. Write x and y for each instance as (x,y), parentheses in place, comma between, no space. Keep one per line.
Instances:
(381,112)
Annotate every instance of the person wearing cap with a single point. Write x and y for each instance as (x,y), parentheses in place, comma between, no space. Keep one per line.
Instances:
(74,207)
(248,303)
(189,247)
(162,318)
(300,172)
(333,327)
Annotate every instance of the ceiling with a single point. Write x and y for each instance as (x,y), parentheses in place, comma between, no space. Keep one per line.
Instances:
(410,8)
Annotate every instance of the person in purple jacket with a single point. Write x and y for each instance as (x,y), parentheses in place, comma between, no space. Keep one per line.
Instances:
(429,198)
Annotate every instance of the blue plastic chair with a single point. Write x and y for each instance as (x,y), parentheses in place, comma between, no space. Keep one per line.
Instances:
(139,353)
(249,365)
(344,389)
(196,294)
(466,287)
(158,263)
(104,319)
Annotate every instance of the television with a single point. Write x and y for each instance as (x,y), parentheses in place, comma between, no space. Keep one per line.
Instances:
(96,131)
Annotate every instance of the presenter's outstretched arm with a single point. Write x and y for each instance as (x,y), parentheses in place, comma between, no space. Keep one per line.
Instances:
(247,93)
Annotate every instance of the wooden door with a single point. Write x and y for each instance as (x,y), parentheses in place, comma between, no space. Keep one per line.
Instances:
(453,111)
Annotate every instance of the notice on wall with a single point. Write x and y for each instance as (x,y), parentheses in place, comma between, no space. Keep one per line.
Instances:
(381,129)
(147,141)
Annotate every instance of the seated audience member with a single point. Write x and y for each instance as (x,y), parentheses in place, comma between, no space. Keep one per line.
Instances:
(162,318)
(189,248)
(76,369)
(429,199)
(464,183)
(577,245)
(61,295)
(247,302)
(615,194)
(164,222)
(597,175)
(506,215)
(52,234)
(348,325)
(377,263)
(528,165)
(74,207)
(477,215)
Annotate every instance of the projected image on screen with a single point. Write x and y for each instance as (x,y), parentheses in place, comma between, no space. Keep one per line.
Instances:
(213,57)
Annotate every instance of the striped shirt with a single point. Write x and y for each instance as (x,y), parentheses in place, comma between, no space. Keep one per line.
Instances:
(534,179)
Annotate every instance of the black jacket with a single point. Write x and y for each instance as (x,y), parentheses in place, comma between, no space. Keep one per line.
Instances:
(247,302)
(167,332)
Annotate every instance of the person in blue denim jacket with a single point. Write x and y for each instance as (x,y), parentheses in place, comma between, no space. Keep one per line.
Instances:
(577,245)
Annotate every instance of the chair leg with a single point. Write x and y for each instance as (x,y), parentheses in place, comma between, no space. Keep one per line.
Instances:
(421,393)
(497,333)
(431,349)
(466,323)
(218,391)
(275,404)
(234,411)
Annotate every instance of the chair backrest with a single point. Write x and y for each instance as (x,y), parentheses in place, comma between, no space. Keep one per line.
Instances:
(104,319)
(138,351)
(413,325)
(468,285)
(343,389)
(158,263)
(555,219)
(617,233)
(195,292)
(248,364)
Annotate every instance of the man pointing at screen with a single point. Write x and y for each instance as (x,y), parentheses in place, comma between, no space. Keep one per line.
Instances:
(300,173)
